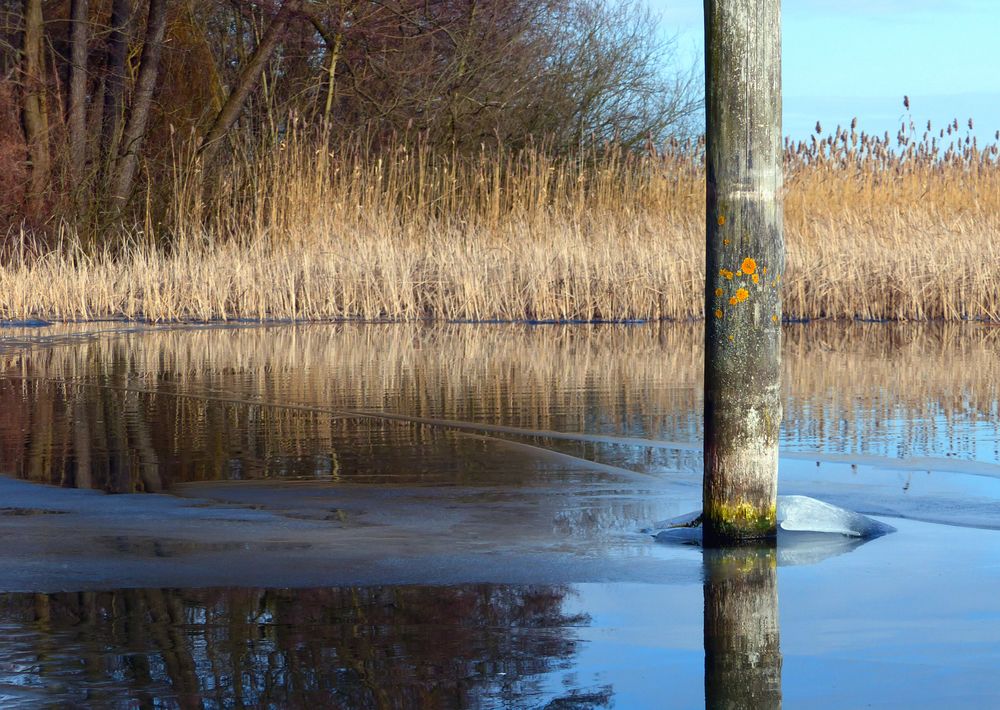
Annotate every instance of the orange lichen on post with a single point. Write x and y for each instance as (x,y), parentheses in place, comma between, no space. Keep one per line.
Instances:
(756,278)
(726,273)
(722,220)
(719,292)
(718,313)
(741,295)
(748,266)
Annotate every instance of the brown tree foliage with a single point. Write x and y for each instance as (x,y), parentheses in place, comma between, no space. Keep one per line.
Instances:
(97,100)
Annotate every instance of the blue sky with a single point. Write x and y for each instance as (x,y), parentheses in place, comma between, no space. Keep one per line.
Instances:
(843,58)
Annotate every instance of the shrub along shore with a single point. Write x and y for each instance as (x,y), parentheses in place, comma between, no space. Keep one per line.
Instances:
(901,229)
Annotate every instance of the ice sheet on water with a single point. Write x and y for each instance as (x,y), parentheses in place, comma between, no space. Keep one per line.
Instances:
(809,530)
(805,514)
(799,514)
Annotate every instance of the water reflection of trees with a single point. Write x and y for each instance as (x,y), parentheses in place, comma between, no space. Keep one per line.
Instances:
(139,411)
(350,647)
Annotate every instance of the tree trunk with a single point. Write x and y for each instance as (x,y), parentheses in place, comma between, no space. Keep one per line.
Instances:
(114,84)
(247,79)
(79,35)
(95,115)
(331,86)
(36,127)
(135,129)
(334,46)
(745,262)
(742,640)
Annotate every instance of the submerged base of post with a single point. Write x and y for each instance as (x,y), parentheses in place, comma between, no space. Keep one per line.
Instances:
(739,523)
(740,486)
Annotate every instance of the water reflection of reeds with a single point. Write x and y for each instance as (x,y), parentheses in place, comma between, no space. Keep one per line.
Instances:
(894,390)
(140,410)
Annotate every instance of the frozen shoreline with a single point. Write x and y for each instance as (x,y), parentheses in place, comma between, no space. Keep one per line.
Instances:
(293,534)
(68,539)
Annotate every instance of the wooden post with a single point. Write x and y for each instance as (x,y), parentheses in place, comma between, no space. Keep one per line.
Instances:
(745,263)
(742,640)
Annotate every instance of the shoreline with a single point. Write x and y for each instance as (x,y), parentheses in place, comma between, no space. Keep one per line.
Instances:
(38,323)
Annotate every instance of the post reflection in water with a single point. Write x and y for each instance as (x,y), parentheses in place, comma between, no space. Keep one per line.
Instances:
(742,644)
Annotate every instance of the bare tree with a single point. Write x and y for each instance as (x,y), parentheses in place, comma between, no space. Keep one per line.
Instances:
(461,74)
(135,129)
(247,79)
(114,83)
(34,111)
(79,37)
(611,75)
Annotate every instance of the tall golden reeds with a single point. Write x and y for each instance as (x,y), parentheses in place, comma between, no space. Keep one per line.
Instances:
(876,228)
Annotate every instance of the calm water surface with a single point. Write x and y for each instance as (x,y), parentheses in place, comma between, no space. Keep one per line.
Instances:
(402,516)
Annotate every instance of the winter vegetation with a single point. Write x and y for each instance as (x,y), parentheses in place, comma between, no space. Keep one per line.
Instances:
(456,159)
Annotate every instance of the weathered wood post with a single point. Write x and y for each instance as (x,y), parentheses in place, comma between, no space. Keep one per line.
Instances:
(745,262)
(742,639)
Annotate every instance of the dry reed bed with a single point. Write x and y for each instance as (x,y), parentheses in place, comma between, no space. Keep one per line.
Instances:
(902,231)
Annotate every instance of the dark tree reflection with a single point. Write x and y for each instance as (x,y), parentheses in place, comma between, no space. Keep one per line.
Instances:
(352,647)
(742,644)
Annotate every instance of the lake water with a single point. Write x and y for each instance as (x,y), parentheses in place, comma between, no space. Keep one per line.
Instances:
(450,516)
